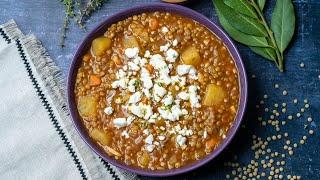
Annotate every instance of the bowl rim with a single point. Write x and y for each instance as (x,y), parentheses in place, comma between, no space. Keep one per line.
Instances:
(151,7)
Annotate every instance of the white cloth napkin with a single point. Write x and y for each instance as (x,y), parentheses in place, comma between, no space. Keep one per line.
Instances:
(37,137)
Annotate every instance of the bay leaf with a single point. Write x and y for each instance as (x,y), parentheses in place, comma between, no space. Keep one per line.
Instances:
(283,23)
(241,37)
(261,4)
(267,53)
(242,6)
(241,22)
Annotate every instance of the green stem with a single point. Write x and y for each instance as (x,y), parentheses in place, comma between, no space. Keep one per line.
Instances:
(279,61)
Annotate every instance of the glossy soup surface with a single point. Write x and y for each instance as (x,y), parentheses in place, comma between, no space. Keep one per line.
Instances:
(157,91)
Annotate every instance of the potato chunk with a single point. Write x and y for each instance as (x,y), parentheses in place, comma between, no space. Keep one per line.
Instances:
(100,45)
(87,106)
(100,136)
(214,95)
(143,159)
(130,42)
(191,56)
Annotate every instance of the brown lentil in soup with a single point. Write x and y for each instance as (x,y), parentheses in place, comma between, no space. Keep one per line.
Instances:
(157,91)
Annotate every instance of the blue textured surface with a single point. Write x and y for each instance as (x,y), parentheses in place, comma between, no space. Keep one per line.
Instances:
(45,19)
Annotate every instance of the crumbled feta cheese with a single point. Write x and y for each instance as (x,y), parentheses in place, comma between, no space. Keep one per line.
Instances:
(146,78)
(132,85)
(146,92)
(164,48)
(149,139)
(125,134)
(156,143)
(158,92)
(172,114)
(134,98)
(189,132)
(147,54)
(181,140)
(141,110)
(162,128)
(122,83)
(108,110)
(193,74)
(175,42)
(120,74)
(171,55)
(194,98)
(183,69)
(149,147)
(157,61)
(131,52)
(184,95)
(143,62)
(153,118)
(164,29)
(120,122)
(130,119)
(161,138)
(168,100)
(133,66)
(146,132)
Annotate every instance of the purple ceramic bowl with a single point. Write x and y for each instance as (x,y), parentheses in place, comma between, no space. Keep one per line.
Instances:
(151,7)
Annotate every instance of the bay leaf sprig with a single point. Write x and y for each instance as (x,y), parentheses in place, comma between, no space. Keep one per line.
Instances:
(244,21)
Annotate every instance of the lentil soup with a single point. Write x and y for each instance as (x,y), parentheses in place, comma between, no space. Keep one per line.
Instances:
(157,91)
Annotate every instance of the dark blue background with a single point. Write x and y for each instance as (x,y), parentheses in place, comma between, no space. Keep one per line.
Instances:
(45,19)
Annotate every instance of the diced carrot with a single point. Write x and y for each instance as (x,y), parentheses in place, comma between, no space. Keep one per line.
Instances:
(94,80)
(86,57)
(149,68)
(211,143)
(153,23)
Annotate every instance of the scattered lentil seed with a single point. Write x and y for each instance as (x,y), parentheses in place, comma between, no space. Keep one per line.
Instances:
(307,106)
(304,137)
(309,119)
(279,136)
(289,117)
(284,92)
(302,65)
(265,96)
(302,109)
(284,110)
(311,132)
(295,101)
(305,100)
(286,134)
(302,141)
(277,85)
(290,152)
(298,114)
